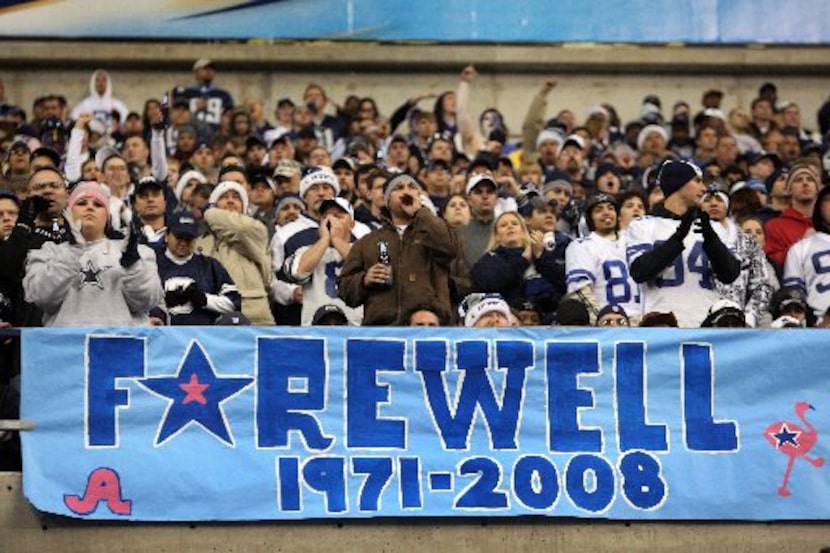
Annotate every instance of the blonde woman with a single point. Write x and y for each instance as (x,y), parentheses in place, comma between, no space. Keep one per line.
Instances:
(518,265)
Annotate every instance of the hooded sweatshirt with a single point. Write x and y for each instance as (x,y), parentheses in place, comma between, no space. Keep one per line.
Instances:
(101,106)
(85,285)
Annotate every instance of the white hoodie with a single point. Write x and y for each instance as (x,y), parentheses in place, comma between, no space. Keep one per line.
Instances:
(101,106)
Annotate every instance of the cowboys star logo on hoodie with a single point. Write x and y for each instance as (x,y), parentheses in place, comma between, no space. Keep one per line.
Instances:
(91,276)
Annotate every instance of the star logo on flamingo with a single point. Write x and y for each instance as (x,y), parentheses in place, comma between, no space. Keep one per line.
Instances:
(794,441)
(786,436)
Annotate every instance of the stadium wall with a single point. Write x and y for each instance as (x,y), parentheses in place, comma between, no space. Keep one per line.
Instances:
(509,75)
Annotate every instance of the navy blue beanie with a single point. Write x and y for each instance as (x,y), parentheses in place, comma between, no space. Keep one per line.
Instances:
(674,174)
(4,195)
(770,180)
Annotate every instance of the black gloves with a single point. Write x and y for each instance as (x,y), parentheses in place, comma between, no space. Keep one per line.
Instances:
(686,223)
(705,225)
(161,124)
(173,298)
(31,208)
(195,296)
(180,296)
(130,255)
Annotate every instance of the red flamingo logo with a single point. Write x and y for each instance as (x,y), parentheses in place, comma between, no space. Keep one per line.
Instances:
(794,441)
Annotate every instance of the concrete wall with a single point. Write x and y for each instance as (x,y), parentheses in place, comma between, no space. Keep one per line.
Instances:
(22,530)
(509,75)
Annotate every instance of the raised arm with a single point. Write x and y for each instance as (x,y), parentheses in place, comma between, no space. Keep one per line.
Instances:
(534,121)
(471,139)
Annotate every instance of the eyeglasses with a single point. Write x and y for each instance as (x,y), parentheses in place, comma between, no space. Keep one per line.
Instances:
(54,185)
(614,321)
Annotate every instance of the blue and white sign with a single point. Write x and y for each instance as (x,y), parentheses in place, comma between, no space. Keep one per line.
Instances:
(522,21)
(246,423)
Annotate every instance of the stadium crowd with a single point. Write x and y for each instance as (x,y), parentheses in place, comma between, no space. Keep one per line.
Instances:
(198,210)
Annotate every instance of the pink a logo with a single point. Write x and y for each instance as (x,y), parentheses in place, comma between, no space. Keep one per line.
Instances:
(103,484)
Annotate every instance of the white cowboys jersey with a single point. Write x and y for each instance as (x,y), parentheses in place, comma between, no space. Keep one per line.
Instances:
(687,286)
(808,268)
(320,286)
(602,263)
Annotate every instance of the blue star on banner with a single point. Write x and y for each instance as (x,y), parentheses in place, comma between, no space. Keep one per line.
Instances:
(196,395)
(91,275)
(786,436)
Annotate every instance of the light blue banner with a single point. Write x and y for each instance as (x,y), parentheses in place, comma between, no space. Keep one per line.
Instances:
(247,423)
(608,21)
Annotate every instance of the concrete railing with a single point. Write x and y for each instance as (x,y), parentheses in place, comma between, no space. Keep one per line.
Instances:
(24,530)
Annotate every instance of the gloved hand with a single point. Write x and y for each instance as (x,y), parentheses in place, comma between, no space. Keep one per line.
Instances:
(195,295)
(172,298)
(704,226)
(130,256)
(162,118)
(686,223)
(30,208)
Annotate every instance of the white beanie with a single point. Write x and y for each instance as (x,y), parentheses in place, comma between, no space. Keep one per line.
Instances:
(226,186)
(647,130)
(486,305)
(714,191)
(549,134)
(186,178)
(319,175)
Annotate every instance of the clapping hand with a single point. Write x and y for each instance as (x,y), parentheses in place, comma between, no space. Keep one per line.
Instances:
(130,255)
(195,295)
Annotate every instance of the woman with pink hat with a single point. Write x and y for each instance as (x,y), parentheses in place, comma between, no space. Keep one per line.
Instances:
(96,278)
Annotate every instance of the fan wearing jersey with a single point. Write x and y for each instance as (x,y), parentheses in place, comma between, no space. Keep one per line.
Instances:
(207,101)
(597,267)
(808,261)
(318,185)
(197,289)
(317,266)
(677,268)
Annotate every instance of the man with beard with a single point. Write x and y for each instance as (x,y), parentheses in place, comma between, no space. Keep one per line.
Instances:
(207,102)
(404,263)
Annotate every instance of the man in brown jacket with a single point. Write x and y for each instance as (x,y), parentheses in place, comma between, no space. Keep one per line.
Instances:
(420,247)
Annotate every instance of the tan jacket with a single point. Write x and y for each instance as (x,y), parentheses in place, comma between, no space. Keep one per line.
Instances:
(240,243)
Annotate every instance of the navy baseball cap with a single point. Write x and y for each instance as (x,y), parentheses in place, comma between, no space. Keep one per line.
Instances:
(184,225)
(148,182)
(328,315)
